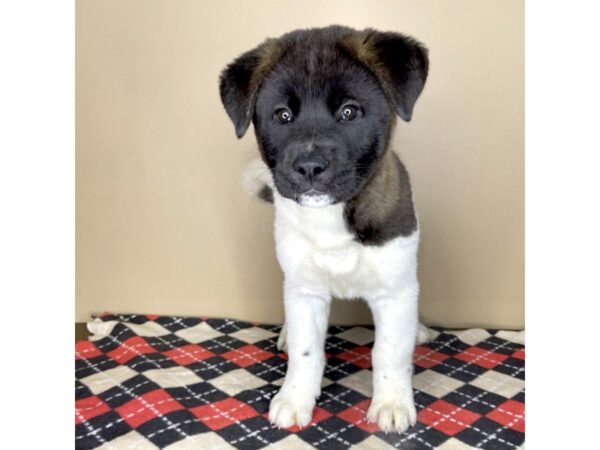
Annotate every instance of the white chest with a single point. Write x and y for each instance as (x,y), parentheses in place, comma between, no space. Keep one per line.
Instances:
(315,248)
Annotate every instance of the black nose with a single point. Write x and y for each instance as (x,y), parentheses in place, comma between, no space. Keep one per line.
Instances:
(310,165)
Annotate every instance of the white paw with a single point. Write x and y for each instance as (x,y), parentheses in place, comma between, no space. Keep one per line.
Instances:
(286,410)
(424,334)
(281,340)
(392,415)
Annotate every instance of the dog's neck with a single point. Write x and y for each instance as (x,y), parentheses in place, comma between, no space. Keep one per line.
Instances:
(382,211)
(324,226)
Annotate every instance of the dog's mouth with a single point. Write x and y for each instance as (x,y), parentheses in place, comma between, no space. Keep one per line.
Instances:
(316,193)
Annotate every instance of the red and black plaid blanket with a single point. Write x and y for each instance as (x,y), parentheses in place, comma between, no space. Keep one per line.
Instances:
(152,382)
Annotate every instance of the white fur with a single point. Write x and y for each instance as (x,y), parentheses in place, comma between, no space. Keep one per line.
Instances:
(255,176)
(315,201)
(320,260)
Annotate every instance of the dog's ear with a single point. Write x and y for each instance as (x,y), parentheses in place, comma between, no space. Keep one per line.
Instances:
(240,81)
(399,62)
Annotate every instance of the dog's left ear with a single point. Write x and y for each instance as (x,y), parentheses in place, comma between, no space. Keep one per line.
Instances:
(399,62)
(240,81)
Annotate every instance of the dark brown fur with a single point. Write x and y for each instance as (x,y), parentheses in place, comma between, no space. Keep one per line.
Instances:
(384,208)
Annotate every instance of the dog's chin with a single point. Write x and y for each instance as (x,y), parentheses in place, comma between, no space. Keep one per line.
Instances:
(315,200)
(310,199)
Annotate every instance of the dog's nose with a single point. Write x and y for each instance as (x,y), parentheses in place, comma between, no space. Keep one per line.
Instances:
(310,165)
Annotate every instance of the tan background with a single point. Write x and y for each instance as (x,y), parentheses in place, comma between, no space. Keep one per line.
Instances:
(163,224)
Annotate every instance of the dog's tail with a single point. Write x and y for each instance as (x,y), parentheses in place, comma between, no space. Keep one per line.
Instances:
(258,180)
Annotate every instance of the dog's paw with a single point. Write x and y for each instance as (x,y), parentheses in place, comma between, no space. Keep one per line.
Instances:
(281,340)
(392,414)
(286,410)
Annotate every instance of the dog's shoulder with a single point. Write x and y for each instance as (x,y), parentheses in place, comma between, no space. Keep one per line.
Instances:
(384,208)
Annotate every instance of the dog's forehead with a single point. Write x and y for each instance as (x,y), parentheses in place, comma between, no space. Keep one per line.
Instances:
(316,52)
(315,63)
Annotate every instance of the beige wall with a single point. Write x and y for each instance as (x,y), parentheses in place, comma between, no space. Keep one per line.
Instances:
(163,224)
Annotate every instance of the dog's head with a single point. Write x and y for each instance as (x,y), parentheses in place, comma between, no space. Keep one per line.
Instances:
(323,103)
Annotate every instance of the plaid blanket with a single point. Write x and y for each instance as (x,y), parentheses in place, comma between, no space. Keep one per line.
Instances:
(148,382)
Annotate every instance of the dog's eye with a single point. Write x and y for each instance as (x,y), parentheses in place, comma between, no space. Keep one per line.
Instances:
(283,115)
(350,112)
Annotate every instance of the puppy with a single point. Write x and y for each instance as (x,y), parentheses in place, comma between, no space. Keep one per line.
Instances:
(324,103)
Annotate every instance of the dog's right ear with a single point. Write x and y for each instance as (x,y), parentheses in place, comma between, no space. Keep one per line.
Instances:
(240,81)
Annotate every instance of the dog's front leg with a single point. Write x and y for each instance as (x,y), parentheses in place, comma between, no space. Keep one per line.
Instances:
(306,313)
(396,321)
